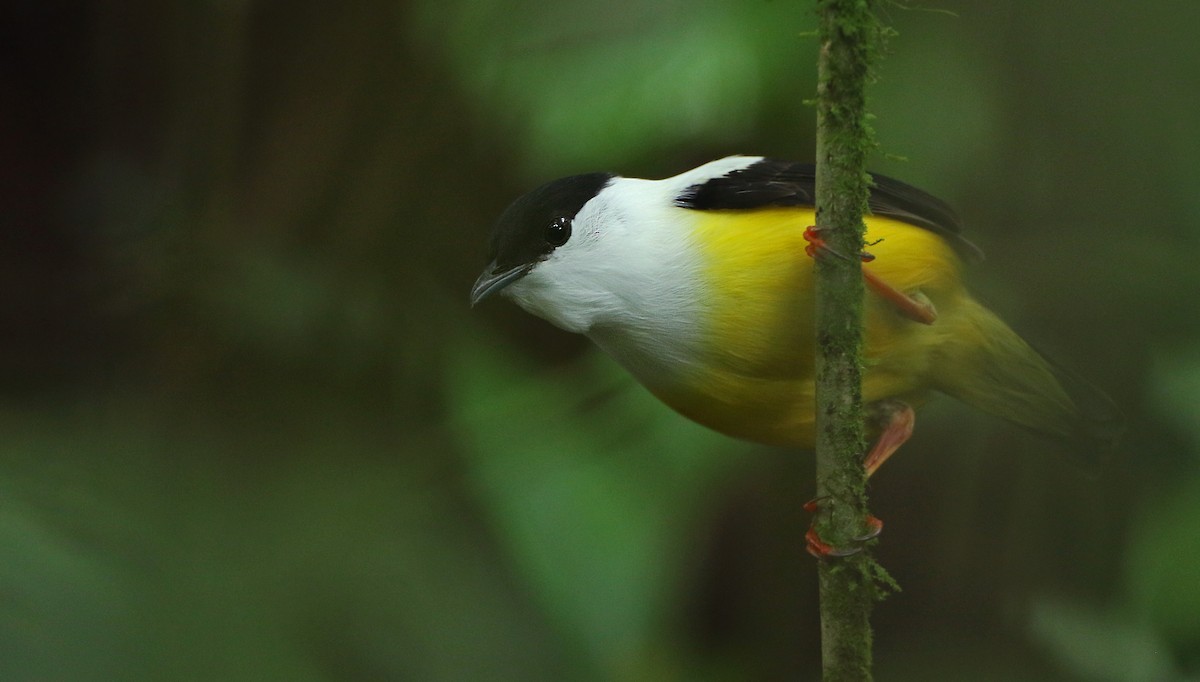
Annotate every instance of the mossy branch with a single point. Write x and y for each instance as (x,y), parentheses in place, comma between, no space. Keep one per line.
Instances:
(849,37)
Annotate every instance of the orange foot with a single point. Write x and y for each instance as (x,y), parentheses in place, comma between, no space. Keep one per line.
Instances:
(817,245)
(895,420)
(821,549)
(916,307)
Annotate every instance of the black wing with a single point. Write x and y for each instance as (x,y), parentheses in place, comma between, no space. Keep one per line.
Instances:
(771,182)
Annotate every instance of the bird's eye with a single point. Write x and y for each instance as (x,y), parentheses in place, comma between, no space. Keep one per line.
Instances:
(558,232)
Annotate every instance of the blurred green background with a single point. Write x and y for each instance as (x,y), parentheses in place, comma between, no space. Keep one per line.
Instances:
(250,429)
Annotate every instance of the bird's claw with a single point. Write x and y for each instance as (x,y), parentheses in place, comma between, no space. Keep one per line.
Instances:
(816,244)
(821,549)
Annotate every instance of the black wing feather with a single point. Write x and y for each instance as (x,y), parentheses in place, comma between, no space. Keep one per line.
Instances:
(771,182)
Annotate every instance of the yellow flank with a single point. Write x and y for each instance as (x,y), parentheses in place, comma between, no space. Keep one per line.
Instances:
(755,379)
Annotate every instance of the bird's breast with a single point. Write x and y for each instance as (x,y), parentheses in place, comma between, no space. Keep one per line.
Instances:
(753,374)
(749,369)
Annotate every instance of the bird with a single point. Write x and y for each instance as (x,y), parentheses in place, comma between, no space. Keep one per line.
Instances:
(701,286)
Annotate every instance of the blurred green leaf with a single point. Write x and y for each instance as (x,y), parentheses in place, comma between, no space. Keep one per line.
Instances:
(1162,564)
(1176,391)
(135,549)
(558,75)
(1105,646)
(593,485)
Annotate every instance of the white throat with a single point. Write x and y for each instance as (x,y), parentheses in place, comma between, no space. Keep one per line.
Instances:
(631,275)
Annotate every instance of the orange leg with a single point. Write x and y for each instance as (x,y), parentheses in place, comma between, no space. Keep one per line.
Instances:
(897,427)
(916,307)
(897,421)
(895,417)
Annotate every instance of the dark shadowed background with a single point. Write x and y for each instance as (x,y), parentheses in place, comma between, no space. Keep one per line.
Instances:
(249,428)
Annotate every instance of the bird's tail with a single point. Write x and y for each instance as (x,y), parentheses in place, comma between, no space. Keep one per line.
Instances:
(988,366)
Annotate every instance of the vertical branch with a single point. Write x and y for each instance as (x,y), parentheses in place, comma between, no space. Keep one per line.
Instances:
(848,35)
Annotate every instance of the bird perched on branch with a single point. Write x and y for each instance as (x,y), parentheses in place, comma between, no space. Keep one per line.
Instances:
(700,286)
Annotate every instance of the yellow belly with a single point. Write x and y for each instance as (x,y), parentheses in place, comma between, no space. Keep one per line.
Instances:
(755,377)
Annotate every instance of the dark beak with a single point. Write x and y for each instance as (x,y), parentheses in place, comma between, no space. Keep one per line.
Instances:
(492,281)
